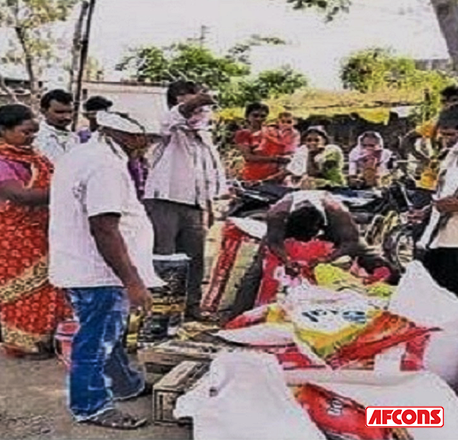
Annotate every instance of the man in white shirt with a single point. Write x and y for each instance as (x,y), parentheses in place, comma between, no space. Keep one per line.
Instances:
(440,238)
(54,137)
(101,245)
(185,177)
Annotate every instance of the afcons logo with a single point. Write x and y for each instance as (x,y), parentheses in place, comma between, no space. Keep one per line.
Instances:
(405,416)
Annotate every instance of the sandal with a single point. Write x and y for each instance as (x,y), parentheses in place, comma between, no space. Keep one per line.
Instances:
(115,419)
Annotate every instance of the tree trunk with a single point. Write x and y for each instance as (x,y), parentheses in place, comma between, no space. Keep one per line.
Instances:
(447,15)
(76,46)
(82,62)
(29,65)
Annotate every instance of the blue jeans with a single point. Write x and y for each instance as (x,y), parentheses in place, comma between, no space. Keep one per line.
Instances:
(100,372)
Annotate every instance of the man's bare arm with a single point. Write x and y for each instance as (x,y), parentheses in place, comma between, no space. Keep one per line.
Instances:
(342,228)
(110,243)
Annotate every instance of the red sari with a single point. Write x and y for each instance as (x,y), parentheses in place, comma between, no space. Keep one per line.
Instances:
(30,308)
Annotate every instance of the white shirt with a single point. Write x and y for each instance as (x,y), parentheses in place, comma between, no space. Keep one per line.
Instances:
(90,181)
(447,237)
(186,167)
(53,143)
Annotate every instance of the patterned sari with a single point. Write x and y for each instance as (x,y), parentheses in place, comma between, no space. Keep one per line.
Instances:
(30,308)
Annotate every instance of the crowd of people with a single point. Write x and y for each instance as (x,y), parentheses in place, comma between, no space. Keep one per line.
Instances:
(81,214)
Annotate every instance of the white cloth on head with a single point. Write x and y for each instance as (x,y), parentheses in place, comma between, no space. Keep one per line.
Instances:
(358,153)
(89,181)
(117,122)
(53,143)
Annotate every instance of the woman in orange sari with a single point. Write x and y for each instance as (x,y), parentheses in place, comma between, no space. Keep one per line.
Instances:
(30,308)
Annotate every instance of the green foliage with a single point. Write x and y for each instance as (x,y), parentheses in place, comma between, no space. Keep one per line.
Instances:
(229,75)
(183,60)
(268,84)
(377,69)
(30,20)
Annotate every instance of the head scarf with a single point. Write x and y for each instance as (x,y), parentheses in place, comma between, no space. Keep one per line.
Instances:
(373,134)
(119,122)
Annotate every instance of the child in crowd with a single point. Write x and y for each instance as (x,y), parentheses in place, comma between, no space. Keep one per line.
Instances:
(280,138)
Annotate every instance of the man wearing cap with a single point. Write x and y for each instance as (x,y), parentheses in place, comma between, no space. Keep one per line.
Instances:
(101,245)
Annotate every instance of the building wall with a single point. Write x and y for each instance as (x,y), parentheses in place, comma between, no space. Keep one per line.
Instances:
(145,103)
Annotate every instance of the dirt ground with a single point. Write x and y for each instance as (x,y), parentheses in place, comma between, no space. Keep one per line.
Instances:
(33,405)
(33,397)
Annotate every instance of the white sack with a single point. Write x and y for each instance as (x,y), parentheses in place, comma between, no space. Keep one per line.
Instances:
(420,299)
(244,397)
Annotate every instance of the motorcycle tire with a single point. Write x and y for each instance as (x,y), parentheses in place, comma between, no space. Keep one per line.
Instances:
(399,247)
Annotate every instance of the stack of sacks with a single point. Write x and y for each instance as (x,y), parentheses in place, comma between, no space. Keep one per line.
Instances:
(307,404)
(343,330)
(420,299)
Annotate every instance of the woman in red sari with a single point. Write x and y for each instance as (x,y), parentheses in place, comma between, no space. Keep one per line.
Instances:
(30,308)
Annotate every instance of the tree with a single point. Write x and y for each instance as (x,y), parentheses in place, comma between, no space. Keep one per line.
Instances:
(268,84)
(183,60)
(377,69)
(30,37)
(446,13)
(229,75)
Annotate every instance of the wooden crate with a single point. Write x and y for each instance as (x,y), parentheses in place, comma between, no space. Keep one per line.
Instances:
(162,357)
(174,384)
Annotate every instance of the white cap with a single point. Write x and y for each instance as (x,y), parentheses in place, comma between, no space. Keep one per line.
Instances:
(117,122)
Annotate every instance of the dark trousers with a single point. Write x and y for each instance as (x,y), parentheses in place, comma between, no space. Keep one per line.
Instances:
(179,228)
(245,297)
(442,264)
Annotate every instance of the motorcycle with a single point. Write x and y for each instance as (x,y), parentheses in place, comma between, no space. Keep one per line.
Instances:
(380,214)
(254,200)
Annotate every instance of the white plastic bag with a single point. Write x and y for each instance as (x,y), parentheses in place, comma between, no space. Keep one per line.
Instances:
(245,397)
(422,300)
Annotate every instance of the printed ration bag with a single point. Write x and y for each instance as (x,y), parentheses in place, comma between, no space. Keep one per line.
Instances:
(340,417)
(335,401)
(347,330)
(237,250)
(263,326)
(421,299)
(337,279)
(223,407)
(305,254)
(326,323)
